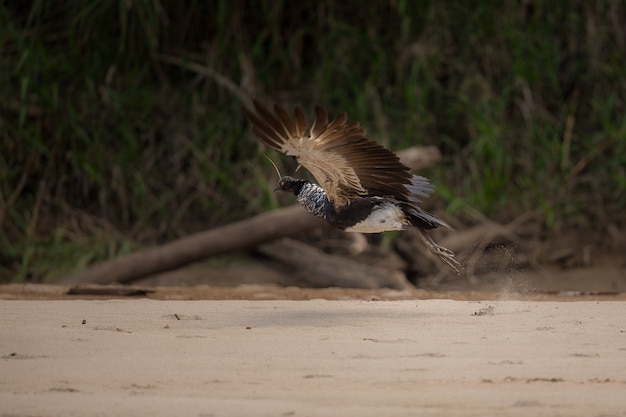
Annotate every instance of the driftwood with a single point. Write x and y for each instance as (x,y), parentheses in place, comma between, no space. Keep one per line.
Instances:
(242,235)
(324,270)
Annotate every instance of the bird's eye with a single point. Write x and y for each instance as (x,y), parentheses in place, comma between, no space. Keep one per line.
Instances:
(282,183)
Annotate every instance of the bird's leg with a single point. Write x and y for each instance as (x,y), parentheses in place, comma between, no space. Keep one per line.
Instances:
(445,255)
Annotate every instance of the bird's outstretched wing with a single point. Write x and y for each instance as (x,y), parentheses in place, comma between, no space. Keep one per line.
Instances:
(342,160)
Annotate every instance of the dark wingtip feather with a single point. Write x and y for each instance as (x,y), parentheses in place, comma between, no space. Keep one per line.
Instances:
(266,126)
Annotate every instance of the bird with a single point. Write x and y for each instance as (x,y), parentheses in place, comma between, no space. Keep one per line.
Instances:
(362,186)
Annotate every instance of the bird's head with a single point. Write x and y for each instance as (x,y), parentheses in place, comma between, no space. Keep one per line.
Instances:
(289,184)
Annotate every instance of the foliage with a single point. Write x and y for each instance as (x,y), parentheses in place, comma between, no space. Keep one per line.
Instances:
(106,143)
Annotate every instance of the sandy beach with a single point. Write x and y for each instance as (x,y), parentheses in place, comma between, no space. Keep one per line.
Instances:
(142,357)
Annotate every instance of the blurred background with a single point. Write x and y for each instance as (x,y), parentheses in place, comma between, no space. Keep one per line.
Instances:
(121,123)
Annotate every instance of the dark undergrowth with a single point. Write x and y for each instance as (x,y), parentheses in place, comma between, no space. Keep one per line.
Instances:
(121,122)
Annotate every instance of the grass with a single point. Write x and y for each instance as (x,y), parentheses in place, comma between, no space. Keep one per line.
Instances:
(105,145)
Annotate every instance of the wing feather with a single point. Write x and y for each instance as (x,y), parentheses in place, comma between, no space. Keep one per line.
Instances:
(301,125)
(342,160)
(320,122)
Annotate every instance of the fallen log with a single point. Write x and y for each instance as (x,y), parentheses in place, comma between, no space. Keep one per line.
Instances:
(242,235)
(324,270)
(245,234)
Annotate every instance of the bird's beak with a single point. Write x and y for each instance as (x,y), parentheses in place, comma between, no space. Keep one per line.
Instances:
(277,188)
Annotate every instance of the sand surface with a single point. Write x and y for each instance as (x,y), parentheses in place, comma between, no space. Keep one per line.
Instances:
(142,357)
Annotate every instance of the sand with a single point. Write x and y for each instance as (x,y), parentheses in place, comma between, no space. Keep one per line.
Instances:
(141,357)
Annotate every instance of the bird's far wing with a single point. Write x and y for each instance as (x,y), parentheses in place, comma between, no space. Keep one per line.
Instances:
(419,188)
(342,160)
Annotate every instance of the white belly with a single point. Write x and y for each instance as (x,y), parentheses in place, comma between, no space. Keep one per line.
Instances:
(387,217)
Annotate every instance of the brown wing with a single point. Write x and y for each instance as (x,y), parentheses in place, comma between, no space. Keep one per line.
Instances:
(342,160)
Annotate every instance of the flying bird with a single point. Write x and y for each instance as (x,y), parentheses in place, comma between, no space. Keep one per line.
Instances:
(363,187)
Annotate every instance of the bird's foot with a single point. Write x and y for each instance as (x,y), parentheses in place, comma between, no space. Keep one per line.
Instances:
(446,256)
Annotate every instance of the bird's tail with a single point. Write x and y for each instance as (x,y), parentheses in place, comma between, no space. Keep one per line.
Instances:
(422,219)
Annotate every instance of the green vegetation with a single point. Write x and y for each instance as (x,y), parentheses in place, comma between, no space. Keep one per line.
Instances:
(108,143)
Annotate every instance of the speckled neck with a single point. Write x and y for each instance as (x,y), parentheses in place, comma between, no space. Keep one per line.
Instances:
(314,200)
